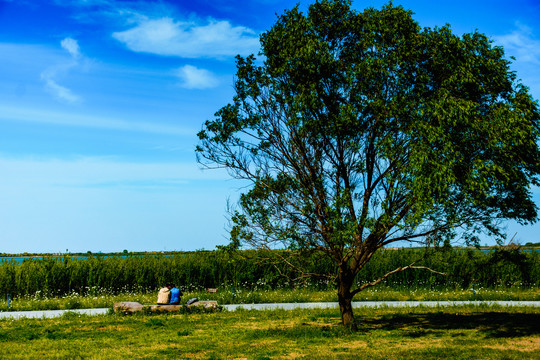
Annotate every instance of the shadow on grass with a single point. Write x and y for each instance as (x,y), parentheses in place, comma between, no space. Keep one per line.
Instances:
(490,324)
(486,324)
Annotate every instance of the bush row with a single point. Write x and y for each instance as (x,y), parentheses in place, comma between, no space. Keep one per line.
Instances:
(58,276)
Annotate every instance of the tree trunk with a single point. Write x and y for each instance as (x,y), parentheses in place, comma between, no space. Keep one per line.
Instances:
(345,299)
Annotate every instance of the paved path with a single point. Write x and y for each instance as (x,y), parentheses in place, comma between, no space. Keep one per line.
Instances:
(285,306)
(50,313)
(374,304)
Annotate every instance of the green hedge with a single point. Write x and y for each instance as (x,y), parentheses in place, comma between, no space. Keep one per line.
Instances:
(53,276)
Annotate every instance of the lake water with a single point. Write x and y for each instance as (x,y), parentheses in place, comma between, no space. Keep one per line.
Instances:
(20,259)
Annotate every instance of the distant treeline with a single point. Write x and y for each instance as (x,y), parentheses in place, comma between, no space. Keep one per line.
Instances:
(58,276)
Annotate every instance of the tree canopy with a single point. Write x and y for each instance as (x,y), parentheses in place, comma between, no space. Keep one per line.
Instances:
(360,129)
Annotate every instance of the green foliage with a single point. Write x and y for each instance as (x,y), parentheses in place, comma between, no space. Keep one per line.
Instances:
(360,129)
(255,270)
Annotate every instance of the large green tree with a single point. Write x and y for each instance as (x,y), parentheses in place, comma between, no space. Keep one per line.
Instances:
(360,129)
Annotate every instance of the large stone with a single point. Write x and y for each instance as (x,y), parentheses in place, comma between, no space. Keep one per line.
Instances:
(130,306)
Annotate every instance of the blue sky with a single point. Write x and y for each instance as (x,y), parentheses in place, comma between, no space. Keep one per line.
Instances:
(100,103)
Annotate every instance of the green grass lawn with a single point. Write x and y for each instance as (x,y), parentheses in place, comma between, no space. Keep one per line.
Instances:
(466,332)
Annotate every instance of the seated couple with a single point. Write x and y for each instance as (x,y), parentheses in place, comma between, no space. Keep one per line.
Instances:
(169,295)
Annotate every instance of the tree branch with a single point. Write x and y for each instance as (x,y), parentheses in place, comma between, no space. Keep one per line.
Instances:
(399,269)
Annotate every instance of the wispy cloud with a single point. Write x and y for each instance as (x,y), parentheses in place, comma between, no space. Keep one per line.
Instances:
(114,11)
(72,119)
(50,75)
(522,44)
(96,172)
(166,36)
(60,92)
(192,77)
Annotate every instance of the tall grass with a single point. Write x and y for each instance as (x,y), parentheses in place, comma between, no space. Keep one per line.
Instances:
(193,271)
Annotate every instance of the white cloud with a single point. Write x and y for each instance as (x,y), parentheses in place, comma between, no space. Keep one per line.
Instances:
(60,92)
(521,44)
(194,78)
(165,36)
(50,75)
(72,47)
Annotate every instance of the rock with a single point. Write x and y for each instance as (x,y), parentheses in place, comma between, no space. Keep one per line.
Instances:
(131,307)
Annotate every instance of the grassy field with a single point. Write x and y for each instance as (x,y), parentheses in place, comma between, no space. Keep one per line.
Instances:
(226,296)
(419,333)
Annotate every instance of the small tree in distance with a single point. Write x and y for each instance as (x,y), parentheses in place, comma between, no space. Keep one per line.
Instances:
(360,129)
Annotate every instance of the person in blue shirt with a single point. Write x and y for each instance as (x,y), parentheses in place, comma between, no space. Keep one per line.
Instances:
(175,295)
